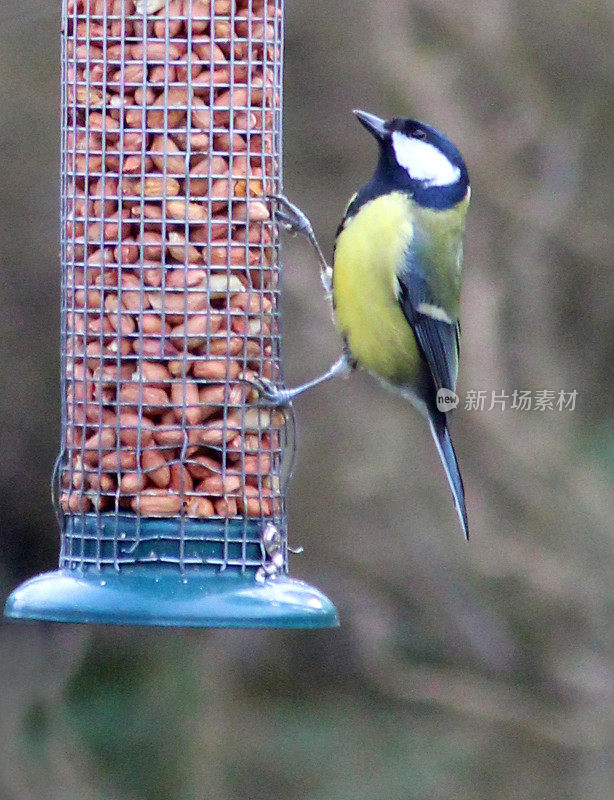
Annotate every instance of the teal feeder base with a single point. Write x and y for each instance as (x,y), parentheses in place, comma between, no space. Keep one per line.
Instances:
(161,596)
(208,589)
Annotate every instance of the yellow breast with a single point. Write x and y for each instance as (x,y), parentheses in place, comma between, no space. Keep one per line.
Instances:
(368,252)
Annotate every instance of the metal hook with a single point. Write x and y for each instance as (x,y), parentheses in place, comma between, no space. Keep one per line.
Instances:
(272,546)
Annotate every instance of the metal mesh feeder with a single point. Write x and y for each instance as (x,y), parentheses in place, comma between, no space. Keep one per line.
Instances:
(170,481)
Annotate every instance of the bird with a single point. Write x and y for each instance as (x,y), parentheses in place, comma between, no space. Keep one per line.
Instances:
(395,279)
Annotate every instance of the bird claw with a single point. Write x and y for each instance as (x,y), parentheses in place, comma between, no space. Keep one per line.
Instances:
(269,396)
(291,218)
(287,222)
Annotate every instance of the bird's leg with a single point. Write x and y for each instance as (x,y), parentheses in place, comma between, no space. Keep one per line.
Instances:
(269,395)
(295,221)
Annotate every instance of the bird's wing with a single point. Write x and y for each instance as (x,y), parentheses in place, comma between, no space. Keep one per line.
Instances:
(436,331)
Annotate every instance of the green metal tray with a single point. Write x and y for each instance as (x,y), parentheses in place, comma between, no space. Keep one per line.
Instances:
(213,585)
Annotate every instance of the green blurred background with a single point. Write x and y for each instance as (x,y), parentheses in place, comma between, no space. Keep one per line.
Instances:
(474,672)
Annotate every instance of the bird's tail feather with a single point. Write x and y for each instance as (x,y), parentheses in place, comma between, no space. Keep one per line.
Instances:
(441,435)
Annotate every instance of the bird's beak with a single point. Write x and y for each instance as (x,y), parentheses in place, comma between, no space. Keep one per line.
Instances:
(373,124)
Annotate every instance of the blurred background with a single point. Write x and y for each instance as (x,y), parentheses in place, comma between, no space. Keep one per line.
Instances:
(480,671)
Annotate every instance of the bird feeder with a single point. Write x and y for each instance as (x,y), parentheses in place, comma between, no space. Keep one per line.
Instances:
(170,481)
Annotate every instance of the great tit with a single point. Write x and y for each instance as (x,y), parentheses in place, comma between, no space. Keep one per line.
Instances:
(396,274)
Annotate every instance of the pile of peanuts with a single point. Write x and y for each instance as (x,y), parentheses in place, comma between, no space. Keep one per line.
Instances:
(170,257)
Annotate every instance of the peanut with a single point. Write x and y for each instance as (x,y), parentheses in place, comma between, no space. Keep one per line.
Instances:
(97,445)
(256,211)
(132,482)
(215,485)
(181,251)
(176,303)
(196,331)
(213,433)
(200,467)
(190,276)
(164,153)
(225,346)
(168,433)
(199,507)
(152,323)
(187,403)
(156,503)
(251,504)
(75,502)
(181,209)
(226,507)
(155,51)
(216,370)
(149,6)
(134,429)
(119,461)
(172,107)
(181,480)
(152,399)
(153,374)
(155,467)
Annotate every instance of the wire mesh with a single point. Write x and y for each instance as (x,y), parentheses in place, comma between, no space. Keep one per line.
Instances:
(171,142)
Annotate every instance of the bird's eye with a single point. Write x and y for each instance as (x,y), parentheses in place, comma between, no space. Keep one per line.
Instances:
(420,134)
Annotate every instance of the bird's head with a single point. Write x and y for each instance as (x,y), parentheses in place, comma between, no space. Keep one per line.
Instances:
(415,157)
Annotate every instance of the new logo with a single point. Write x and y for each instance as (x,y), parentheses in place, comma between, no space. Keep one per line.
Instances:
(446,400)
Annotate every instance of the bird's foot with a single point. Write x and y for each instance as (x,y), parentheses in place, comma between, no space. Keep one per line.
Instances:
(269,395)
(295,221)
(290,217)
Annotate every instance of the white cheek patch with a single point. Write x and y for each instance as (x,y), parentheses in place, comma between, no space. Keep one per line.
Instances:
(423,161)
